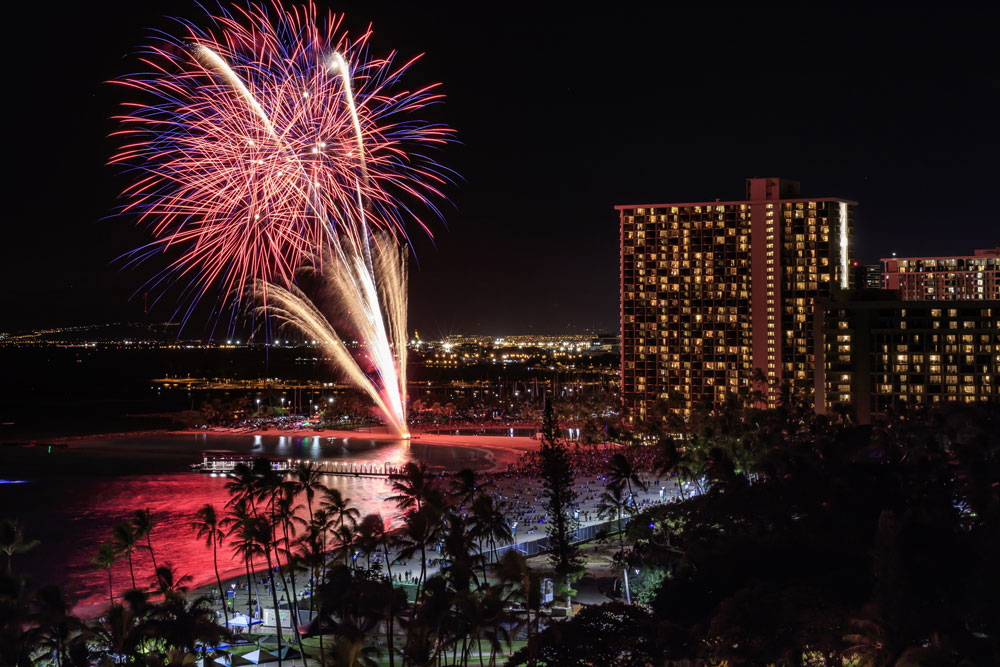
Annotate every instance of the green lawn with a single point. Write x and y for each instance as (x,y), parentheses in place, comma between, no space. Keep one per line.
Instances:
(311,646)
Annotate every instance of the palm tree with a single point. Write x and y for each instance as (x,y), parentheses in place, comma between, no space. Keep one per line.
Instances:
(369,536)
(525,586)
(126,541)
(413,486)
(281,508)
(283,513)
(621,473)
(346,538)
(307,479)
(484,616)
(340,509)
(242,485)
(345,518)
(383,540)
(54,625)
(121,632)
(719,467)
(286,516)
(315,541)
(12,542)
(241,531)
(420,528)
(314,545)
(394,603)
(417,490)
(167,582)
(682,462)
(459,569)
(462,626)
(105,558)
(206,525)
(17,647)
(432,625)
(496,621)
(264,537)
(180,625)
(142,524)
(489,523)
(613,504)
(464,487)
(313,553)
(250,483)
(349,650)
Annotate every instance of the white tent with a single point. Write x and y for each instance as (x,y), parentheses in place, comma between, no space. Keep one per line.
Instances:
(243,621)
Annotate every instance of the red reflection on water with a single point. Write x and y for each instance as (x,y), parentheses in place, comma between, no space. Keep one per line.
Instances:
(174,500)
(72,502)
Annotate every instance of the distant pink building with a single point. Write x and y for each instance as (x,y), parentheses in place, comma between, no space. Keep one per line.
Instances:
(972,277)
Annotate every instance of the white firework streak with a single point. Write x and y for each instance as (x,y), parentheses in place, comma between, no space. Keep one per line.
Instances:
(357,295)
(354,278)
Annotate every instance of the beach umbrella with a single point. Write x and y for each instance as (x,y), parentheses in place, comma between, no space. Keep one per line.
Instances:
(254,658)
(220,660)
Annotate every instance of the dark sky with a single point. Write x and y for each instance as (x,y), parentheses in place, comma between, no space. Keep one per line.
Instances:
(562,113)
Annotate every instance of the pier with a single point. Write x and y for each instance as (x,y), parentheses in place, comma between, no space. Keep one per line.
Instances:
(222,462)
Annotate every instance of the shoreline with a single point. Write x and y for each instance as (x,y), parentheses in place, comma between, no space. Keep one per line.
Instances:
(494,453)
(529,531)
(499,450)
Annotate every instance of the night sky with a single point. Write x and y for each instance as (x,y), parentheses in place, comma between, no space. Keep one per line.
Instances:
(561,115)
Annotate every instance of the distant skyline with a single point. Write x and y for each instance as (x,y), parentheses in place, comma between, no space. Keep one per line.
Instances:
(561,114)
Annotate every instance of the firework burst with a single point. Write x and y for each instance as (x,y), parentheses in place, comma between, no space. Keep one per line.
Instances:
(268,139)
(274,144)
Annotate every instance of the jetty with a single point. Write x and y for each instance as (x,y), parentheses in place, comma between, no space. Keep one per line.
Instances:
(224,461)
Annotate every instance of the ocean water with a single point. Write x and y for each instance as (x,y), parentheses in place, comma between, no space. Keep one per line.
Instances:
(70,499)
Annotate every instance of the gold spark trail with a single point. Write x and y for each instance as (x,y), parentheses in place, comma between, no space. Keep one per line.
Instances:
(357,279)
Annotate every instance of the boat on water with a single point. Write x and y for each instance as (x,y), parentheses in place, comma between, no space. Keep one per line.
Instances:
(223,461)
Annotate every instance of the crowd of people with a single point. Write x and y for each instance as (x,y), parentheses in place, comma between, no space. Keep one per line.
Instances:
(520,488)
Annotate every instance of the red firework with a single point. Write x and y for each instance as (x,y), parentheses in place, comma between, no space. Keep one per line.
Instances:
(255,151)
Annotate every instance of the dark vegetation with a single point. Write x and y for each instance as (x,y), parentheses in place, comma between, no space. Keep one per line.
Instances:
(800,539)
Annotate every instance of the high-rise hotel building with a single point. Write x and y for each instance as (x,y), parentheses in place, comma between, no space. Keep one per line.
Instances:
(875,351)
(954,278)
(712,291)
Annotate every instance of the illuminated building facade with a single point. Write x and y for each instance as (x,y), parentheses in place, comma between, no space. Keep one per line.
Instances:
(712,291)
(876,351)
(975,277)
(867,276)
